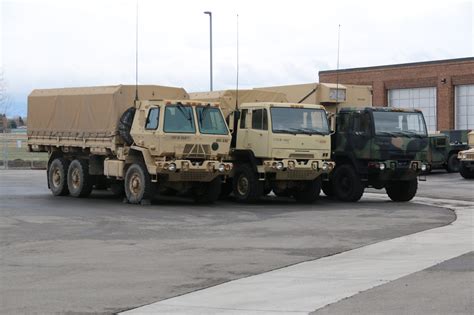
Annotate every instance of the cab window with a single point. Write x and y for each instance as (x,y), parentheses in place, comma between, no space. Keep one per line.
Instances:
(259,119)
(243,118)
(152,119)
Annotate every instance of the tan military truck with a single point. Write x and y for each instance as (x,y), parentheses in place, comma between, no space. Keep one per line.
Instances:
(466,159)
(100,136)
(279,146)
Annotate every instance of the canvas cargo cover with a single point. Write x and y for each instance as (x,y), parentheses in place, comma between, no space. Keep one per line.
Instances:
(88,111)
(227,98)
(320,93)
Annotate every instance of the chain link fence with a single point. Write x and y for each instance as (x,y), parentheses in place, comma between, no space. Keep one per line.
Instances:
(15,155)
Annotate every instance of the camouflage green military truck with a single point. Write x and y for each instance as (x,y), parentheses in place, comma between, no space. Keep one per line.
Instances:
(466,159)
(101,136)
(279,146)
(444,147)
(377,147)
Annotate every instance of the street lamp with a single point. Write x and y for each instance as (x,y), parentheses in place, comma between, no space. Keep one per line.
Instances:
(210,40)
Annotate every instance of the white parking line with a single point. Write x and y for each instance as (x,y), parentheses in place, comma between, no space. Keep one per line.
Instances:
(308,286)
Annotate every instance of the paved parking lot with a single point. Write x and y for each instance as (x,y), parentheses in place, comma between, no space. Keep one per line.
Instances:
(98,255)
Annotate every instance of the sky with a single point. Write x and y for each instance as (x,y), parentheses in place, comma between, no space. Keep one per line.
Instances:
(54,43)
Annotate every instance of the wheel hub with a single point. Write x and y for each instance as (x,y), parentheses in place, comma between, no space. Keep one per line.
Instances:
(75,178)
(243,185)
(56,177)
(135,184)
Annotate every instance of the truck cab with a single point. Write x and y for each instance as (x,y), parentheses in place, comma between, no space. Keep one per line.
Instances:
(284,147)
(378,147)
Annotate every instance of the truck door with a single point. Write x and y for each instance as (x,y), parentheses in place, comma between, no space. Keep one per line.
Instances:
(150,139)
(258,132)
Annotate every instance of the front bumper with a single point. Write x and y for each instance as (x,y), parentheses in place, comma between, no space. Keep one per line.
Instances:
(186,170)
(291,169)
(396,170)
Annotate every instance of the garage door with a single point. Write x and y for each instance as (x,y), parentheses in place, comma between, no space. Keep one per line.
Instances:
(464,100)
(420,98)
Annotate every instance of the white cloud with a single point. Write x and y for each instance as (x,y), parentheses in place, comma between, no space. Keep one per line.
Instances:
(50,43)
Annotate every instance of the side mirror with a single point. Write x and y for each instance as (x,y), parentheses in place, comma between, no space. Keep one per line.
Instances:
(332,122)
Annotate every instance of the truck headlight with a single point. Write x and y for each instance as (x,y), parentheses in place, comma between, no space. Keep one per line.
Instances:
(279,166)
(423,167)
(325,166)
(291,165)
(382,166)
(221,168)
(172,167)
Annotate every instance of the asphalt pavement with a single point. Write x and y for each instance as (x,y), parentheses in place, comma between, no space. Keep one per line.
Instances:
(98,255)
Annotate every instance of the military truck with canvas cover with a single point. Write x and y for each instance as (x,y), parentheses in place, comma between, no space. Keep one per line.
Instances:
(100,136)
(279,146)
(372,146)
(444,147)
(466,159)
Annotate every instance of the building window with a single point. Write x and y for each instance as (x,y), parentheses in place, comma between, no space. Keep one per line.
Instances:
(419,98)
(464,104)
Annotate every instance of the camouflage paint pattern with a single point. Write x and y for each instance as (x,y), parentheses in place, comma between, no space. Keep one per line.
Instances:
(355,140)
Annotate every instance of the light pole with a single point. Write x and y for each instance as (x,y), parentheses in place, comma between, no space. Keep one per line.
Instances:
(210,40)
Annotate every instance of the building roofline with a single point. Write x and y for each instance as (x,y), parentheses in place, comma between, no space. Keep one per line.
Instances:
(401,65)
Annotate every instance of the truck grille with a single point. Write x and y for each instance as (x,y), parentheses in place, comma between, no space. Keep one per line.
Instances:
(301,156)
(197,151)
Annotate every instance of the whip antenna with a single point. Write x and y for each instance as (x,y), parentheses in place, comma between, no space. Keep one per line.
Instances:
(337,69)
(237,78)
(136,51)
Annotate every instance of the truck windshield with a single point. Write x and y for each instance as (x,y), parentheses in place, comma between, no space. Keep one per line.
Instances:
(399,124)
(210,121)
(299,121)
(179,118)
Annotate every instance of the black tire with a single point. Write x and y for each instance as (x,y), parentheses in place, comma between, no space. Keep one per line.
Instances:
(226,189)
(246,186)
(117,187)
(308,192)
(347,185)
(402,190)
(57,177)
(207,192)
(79,182)
(327,188)
(138,185)
(125,125)
(466,172)
(453,164)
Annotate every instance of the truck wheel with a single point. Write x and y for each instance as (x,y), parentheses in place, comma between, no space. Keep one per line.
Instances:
(247,187)
(137,184)
(453,164)
(308,192)
(347,184)
(207,192)
(402,190)
(327,188)
(57,177)
(466,172)
(79,182)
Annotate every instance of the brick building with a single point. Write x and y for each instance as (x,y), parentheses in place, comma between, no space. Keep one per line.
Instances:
(442,89)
